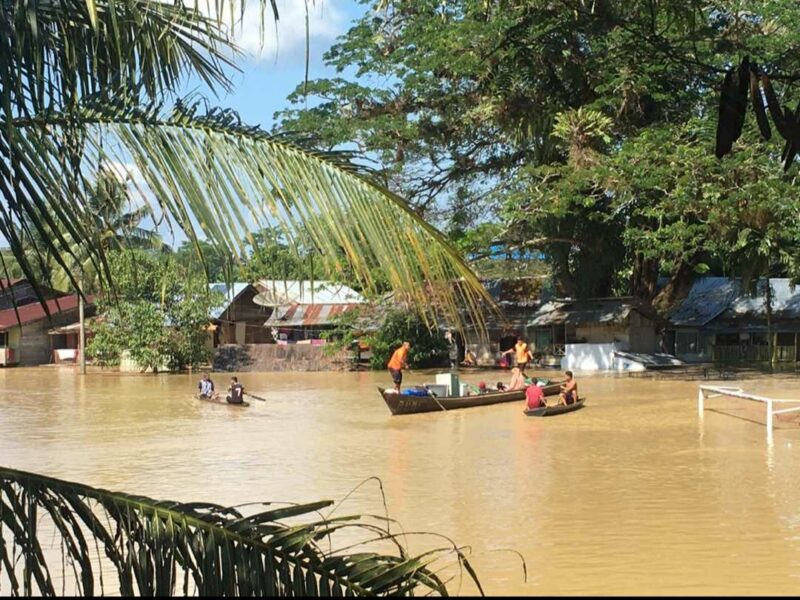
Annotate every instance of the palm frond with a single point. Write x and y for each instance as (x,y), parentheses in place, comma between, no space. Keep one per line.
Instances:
(168,548)
(221,178)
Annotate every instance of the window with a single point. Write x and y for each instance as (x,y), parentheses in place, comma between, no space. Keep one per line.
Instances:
(727,339)
(3,339)
(784,339)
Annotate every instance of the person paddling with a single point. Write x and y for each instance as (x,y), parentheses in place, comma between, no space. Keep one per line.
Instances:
(206,386)
(235,392)
(397,363)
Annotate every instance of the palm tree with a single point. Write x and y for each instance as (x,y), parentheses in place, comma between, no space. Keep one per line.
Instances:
(169,548)
(115,225)
(83,82)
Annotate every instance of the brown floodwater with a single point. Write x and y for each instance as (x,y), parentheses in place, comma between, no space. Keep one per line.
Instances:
(633,494)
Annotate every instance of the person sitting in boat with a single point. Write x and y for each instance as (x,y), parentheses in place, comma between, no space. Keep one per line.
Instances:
(470,360)
(569,390)
(482,387)
(501,387)
(235,392)
(206,386)
(517,380)
(535,397)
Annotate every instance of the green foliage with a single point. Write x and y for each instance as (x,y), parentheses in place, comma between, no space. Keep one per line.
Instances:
(159,316)
(64,114)
(163,548)
(428,347)
(588,126)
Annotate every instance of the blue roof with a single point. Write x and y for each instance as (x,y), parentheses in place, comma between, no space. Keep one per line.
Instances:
(710,297)
(707,299)
(231,292)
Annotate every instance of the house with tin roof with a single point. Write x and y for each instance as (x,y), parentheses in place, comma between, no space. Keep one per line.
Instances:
(720,321)
(302,310)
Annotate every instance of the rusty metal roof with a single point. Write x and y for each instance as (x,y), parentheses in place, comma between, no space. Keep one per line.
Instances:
(304,315)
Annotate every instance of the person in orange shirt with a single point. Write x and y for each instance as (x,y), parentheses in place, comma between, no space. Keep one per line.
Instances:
(521,353)
(397,363)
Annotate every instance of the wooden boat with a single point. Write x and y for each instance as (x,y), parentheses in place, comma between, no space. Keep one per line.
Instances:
(558,409)
(401,404)
(218,399)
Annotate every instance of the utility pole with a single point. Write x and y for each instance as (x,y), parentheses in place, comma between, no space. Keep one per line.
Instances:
(82,334)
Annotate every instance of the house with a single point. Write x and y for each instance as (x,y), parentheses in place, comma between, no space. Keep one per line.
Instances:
(587,334)
(302,310)
(24,331)
(518,299)
(20,291)
(719,321)
(239,319)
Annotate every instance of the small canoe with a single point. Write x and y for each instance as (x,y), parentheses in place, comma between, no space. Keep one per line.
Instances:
(218,399)
(401,404)
(557,409)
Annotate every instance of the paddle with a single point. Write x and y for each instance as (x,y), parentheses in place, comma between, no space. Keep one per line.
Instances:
(254,396)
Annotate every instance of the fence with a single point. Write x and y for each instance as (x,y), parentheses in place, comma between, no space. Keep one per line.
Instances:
(710,391)
(732,354)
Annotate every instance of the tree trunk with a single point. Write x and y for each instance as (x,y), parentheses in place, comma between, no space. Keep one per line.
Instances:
(678,287)
(562,276)
(644,278)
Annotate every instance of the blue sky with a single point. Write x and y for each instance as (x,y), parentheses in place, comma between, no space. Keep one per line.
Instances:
(271,71)
(272,68)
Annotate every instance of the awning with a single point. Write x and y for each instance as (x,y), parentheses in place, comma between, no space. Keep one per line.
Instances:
(71,328)
(66,329)
(304,315)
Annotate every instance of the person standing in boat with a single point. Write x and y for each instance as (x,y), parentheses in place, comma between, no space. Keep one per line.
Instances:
(397,363)
(521,353)
(569,390)
(235,392)
(452,347)
(206,386)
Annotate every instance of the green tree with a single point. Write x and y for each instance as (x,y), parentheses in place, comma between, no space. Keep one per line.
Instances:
(63,113)
(159,315)
(543,110)
(428,347)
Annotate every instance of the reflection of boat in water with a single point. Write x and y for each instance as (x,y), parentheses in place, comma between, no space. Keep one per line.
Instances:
(218,399)
(402,404)
(557,409)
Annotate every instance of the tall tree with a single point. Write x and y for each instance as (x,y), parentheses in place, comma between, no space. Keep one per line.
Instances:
(461,102)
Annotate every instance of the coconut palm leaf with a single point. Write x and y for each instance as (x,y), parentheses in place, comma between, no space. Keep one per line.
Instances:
(81,82)
(216,176)
(169,548)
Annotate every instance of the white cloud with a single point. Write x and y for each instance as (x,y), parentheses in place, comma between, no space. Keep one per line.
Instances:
(286,42)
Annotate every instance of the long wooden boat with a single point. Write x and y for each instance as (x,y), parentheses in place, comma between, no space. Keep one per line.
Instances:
(218,399)
(557,409)
(401,404)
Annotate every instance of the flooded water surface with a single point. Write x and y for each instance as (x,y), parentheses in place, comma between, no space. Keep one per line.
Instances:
(633,494)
